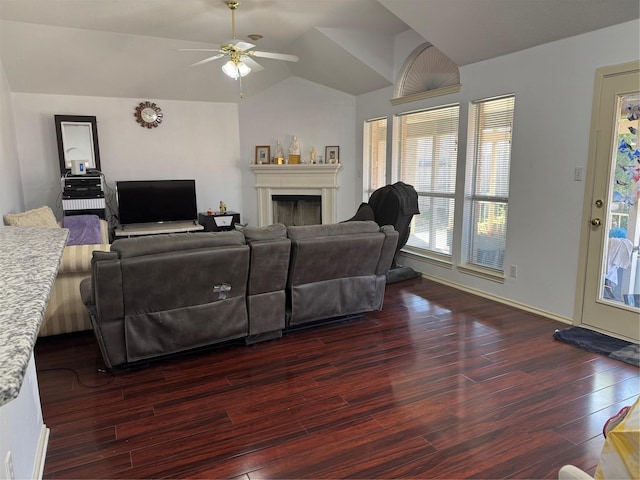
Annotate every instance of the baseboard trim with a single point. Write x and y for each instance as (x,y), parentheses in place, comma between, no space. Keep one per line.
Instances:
(41,453)
(504,301)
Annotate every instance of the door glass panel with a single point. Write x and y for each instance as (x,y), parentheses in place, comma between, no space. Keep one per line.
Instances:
(621,275)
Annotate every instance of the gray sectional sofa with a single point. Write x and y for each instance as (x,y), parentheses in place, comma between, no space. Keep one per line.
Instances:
(159,295)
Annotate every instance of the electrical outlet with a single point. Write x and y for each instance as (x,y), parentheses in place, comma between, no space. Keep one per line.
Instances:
(514,271)
(578,174)
(8,467)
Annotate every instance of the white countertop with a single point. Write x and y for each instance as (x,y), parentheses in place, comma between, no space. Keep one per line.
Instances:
(29,260)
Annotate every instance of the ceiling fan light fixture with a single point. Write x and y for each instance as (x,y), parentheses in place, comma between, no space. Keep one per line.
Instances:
(235,69)
(243,68)
(230,69)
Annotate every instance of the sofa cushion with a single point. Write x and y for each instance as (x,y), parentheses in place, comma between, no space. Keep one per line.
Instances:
(38,217)
(270,232)
(330,257)
(296,233)
(173,242)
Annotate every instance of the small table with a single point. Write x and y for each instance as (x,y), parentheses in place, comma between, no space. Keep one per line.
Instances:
(218,221)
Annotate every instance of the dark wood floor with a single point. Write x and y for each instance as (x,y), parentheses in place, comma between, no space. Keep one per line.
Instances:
(439,384)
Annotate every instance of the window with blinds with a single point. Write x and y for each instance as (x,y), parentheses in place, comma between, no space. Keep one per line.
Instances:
(487,202)
(426,158)
(375,155)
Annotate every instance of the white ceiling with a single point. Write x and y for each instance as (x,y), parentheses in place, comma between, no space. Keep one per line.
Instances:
(129,48)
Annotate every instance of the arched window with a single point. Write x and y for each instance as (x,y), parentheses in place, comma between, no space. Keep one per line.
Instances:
(427,72)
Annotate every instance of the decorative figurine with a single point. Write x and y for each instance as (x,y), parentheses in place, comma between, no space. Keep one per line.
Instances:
(278,156)
(294,148)
(223,207)
(312,155)
(294,151)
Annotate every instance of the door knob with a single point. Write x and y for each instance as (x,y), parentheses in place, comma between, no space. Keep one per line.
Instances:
(596,222)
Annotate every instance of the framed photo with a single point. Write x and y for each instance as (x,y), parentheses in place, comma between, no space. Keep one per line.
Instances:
(263,154)
(332,155)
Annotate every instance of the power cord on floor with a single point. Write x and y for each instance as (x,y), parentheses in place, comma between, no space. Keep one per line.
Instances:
(80,382)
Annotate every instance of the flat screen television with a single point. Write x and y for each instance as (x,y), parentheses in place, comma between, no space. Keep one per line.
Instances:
(156,201)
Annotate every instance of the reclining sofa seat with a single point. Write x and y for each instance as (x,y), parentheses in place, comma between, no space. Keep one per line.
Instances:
(337,269)
(268,269)
(153,296)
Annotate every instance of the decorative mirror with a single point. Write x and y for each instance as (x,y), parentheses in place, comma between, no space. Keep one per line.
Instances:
(77,140)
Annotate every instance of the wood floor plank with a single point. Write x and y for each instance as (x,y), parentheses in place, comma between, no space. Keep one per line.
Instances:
(306,447)
(438,384)
(585,428)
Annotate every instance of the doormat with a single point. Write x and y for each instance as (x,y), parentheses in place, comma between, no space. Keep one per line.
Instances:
(599,343)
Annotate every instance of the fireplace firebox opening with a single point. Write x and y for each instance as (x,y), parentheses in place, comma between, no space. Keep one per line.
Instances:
(294,210)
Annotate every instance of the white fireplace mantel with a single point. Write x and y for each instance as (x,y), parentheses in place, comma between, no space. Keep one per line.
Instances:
(301,179)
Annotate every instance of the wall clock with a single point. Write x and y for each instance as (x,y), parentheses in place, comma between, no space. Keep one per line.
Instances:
(148,115)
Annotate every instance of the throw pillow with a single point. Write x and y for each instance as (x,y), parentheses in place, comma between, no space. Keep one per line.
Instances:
(38,217)
(270,232)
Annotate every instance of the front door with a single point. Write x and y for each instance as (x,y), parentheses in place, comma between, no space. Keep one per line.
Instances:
(611,296)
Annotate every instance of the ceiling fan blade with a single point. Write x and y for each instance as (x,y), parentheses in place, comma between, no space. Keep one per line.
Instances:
(252,64)
(275,56)
(240,45)
(217,49)
(207,60)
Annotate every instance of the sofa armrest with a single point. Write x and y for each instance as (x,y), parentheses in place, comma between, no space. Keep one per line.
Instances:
(104,231)
(388,249)
(106,286)
(77,258)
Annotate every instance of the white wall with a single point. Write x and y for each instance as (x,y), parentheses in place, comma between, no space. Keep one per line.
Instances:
(197,140)
(553,86)
(11,200)
(211,142)
(319,117)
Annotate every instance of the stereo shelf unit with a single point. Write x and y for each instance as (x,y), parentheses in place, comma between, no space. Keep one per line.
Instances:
(83,195)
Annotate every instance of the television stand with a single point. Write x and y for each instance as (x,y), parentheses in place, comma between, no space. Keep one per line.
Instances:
(140,229)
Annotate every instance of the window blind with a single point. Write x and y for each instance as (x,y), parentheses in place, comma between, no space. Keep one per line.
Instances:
(491,161)
(375,155)
(427,158)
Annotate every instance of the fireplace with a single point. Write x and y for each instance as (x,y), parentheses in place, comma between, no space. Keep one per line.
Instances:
(296,180)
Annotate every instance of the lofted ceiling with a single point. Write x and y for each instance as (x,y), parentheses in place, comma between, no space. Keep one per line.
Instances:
(130,48)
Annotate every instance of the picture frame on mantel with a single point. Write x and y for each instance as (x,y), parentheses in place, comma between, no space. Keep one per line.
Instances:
(332,154)
(263,155)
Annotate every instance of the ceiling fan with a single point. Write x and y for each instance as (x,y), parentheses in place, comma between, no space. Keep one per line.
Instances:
(238,52)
